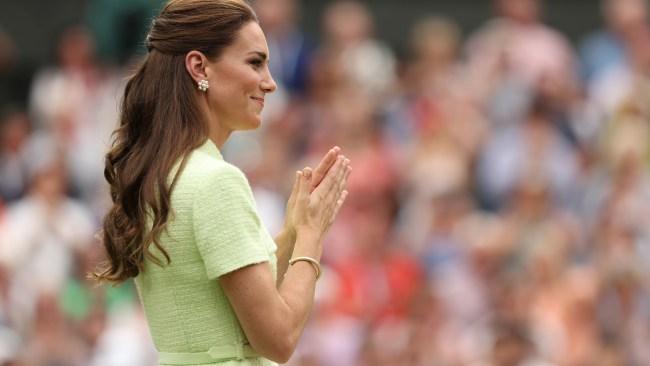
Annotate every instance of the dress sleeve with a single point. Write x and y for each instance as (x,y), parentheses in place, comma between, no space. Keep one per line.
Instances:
(227,228)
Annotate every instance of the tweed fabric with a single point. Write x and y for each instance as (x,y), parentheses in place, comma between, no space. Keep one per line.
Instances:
(214,229)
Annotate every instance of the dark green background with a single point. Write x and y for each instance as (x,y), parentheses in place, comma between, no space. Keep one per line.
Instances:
(35,25)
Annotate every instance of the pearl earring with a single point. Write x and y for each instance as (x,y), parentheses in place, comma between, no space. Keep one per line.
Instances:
(203,85)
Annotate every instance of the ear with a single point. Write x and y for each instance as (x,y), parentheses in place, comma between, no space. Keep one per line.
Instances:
(195,64)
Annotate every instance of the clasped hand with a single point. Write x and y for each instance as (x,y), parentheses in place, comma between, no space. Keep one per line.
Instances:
(318,195)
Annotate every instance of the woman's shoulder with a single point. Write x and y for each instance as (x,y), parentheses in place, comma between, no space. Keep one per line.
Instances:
(204,170)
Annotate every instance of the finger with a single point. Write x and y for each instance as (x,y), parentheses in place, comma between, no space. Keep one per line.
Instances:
(307,177)
(338,187)
(344,180)
(324,166)
(339,203)
(341,176)
(331,179)
(348,171)
(334,203)
(333,192)
(296,185)
(302,190)
(342,183)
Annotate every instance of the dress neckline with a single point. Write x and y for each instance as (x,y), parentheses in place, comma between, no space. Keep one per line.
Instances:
(211,149)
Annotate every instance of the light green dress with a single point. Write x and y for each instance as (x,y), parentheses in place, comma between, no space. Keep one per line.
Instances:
(215,229)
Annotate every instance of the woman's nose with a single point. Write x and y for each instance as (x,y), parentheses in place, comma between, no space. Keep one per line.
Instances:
(268,84)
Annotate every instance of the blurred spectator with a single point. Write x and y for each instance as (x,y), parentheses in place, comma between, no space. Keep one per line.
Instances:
(77,102)
(621,234)
(45,345)
(624,82)
(513,347)
(532,148)
(65,86)
(289,47)
(376,281)
(518,42)
(14,133)
(41,232)
(512,54)
(607,48)
(290,57)
(460,293)
(435,97)
(349,41)
(623,313)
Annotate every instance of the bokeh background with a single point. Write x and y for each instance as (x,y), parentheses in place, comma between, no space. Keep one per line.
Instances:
(499,208)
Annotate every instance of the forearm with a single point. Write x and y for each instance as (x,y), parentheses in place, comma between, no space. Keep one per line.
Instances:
(274,332)
(285,242)
(298,287)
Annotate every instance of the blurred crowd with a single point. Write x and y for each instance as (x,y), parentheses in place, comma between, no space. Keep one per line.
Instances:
(499,207)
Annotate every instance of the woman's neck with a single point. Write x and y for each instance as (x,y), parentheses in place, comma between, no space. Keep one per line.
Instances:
(217,133)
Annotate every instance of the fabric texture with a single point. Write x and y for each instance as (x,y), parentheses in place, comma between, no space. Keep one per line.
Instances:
(214,229)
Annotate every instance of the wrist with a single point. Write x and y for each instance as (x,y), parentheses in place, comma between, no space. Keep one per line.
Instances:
(289,232)
(308,243)
(305,231)
(313,262)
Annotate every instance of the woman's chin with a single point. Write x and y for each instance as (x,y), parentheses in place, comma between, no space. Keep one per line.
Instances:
(253,123)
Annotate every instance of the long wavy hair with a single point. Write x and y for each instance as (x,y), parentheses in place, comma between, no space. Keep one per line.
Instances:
(160,124)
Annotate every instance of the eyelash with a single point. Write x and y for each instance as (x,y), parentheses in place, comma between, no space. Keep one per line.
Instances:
(257,63)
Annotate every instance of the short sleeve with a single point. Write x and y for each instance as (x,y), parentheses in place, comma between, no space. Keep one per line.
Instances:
(227,228)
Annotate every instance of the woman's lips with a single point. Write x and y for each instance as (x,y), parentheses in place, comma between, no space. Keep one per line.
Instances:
(260,100)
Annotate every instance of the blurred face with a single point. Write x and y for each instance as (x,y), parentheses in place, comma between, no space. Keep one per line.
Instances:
(347,23)
(76,48)
(275,14)
(50,183)
(524,11)
(14,131)
(626,15)
(239,79)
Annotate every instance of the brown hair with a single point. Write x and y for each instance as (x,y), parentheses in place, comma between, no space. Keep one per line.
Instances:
(160,123)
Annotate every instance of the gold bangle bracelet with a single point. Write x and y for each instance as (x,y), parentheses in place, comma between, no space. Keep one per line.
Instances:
(314,263)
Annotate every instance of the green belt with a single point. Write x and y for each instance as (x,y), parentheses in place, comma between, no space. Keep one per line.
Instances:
(214,354)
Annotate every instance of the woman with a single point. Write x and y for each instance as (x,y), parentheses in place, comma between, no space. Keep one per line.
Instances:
(215,287)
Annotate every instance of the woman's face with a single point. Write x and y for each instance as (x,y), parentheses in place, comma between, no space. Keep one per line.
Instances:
(239,80)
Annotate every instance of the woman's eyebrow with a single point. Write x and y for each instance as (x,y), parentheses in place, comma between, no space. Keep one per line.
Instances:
(260,54)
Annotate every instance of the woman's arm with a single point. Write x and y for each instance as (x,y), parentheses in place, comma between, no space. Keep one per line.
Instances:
(285,242)
(274,317)
(286,239)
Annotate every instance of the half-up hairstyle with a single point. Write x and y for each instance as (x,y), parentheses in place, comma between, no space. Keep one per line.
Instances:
(160,124)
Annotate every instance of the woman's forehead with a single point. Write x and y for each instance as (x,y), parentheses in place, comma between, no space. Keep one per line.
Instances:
(250,39)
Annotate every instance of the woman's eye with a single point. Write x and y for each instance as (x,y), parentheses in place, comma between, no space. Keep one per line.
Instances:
(256,63)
